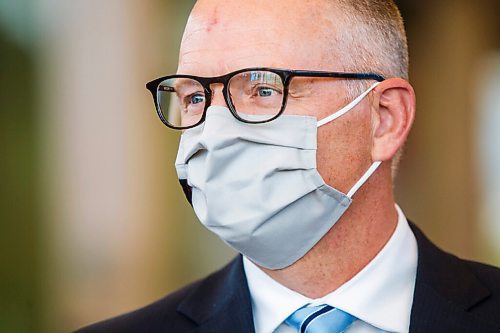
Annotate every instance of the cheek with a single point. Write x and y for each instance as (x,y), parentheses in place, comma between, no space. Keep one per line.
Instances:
(318,98)
(344,150)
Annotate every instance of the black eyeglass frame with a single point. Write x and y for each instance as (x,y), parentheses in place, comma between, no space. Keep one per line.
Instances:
(285,75)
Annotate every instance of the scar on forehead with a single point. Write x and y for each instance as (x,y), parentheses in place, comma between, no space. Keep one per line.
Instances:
(213,19)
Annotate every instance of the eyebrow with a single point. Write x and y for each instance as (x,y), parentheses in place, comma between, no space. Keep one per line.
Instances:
(184,84)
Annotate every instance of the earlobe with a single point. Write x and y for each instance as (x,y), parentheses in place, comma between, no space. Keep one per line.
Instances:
(394,112)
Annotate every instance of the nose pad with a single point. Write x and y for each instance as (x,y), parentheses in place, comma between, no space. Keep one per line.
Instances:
(217,97)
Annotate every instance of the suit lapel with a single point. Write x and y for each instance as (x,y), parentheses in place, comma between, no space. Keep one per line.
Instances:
(221,303)
(445,291)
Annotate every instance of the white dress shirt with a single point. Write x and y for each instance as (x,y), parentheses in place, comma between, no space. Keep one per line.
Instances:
(380,295)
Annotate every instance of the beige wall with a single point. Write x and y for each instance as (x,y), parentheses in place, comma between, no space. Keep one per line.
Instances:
(439,185)
(115,216)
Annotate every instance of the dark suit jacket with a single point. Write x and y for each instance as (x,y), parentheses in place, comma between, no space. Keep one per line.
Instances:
(451,295)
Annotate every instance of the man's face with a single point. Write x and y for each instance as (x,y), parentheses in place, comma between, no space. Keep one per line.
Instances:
(222,36)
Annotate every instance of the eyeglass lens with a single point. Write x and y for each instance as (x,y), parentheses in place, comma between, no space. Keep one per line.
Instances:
(256,96)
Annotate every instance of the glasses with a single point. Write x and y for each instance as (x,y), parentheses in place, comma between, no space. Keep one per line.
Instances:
(253,95)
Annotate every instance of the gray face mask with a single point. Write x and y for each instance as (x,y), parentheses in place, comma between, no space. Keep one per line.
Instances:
(257,187)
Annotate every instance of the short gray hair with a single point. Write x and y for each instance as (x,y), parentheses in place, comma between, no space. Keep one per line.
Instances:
(371,37)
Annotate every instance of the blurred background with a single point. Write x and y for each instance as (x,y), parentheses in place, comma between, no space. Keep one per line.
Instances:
(92,220)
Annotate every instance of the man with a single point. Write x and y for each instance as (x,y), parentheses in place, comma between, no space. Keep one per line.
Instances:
(294,113)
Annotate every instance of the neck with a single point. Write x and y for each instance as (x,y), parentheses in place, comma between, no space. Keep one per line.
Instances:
(349,246)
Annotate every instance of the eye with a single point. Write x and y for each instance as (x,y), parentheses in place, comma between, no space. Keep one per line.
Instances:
(266,92)
(196,99)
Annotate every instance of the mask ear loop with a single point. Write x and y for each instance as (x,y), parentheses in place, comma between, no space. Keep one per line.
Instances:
(340,113)
(346,108)
(363,178)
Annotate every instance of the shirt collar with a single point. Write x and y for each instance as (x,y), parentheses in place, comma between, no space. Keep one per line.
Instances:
(381,294)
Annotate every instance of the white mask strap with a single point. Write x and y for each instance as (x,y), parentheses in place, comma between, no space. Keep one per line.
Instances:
(346,108)
(364,178)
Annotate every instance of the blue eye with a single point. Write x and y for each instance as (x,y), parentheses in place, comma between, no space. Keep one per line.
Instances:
(265,92)
(196,99)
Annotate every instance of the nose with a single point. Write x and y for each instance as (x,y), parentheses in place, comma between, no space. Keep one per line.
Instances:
(217,95)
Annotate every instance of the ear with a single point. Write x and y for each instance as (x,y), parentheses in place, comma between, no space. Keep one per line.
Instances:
(392,117)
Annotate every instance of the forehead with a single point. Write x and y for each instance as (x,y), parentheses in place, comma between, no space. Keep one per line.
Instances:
(225,35)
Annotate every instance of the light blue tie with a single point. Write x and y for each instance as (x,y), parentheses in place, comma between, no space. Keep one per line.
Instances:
(320,319)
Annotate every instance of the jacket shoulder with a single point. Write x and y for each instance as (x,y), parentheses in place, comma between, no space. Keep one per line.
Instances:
(453,294)
(490,278)
(161,315)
